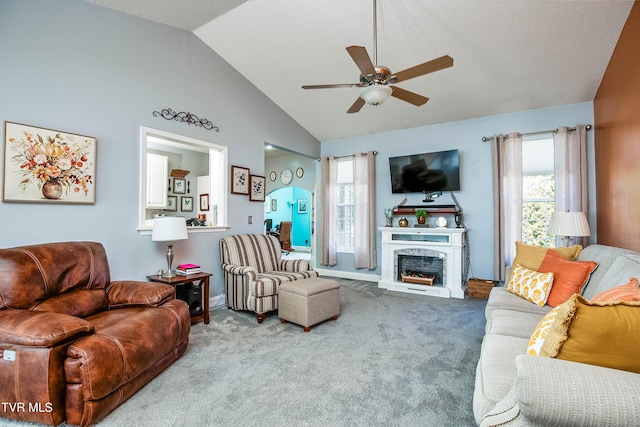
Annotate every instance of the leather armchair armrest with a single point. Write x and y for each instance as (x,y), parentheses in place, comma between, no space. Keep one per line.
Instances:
(40,328)
(294,265)
(134,293)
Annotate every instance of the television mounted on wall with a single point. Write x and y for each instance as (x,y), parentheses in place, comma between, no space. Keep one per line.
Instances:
(426,172)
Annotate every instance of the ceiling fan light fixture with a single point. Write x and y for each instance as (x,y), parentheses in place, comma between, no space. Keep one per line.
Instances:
(375,94)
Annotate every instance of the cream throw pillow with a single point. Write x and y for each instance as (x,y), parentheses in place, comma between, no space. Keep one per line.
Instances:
(530,285)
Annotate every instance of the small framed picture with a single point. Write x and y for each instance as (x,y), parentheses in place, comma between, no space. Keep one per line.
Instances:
(179,185)
(302,206)
(172,203)
(186,204)
(204,202)
(274,205)
(257,184)
(239,180)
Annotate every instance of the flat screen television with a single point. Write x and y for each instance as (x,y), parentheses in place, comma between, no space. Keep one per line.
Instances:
(426,172)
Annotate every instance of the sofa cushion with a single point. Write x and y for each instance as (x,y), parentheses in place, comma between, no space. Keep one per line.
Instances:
(569,277)
(126,342)
(620,270)
(500,298)
(627,292)
(513,323)
(603,334)
(531,256)
(269,282)
(530,285)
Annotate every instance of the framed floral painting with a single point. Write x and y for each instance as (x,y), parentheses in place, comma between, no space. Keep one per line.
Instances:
(172,203)
(187,204)
(257,185)
(46,165)
(239,180)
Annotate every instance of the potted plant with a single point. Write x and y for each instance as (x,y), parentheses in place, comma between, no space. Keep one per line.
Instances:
(422,215)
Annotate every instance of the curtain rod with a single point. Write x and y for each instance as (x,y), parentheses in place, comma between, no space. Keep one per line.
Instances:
(375,153)
(489,138)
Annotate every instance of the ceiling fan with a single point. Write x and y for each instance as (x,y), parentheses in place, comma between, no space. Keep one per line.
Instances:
(376,80)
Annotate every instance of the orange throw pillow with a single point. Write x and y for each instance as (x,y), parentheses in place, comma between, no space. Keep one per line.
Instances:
(569,276)
(627,292)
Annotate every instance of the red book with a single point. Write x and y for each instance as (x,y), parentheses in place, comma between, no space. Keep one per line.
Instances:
(188,266)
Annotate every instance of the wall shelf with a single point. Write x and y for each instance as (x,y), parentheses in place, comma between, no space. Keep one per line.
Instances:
(432,209)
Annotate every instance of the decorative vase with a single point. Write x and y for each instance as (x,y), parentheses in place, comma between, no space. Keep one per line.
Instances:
(422,219)
(458,218)
(52,189)
(403,222)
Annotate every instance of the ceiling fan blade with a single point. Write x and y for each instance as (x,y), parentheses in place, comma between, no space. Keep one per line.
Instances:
(410,97)
(332,86)
(422,69)
(363,61)
(356,106)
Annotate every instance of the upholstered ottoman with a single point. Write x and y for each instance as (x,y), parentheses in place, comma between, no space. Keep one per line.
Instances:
(308,302)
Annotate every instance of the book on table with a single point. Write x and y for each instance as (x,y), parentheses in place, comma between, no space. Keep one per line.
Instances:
(185,269)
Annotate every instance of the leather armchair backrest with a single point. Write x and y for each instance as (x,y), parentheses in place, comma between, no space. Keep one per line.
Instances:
(73,275)
(254,250)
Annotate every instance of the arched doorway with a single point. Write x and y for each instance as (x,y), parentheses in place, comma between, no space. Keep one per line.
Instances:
(291,204)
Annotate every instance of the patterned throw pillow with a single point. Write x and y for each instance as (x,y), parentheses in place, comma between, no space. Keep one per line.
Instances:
(626,292)
(530,285)
(540,333)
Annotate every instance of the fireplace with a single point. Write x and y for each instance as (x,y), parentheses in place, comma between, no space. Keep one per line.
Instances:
(420,266)
(425,261)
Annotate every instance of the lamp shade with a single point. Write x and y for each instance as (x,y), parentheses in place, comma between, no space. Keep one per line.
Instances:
(569,224)
(169,229)
(376,94)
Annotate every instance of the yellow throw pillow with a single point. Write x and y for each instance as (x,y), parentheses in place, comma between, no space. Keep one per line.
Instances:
(530,256)
(541,331)
(530,284)
(603,334)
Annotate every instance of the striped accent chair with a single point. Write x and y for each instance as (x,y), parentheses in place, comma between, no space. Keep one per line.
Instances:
(253,272)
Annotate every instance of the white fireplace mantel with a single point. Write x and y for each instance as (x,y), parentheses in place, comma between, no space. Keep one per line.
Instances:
(445,243)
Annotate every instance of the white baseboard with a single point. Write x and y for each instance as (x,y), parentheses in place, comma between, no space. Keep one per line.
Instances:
(216,302)
(348,275)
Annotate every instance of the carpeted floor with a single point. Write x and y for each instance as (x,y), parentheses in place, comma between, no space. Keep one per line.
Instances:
(391,359)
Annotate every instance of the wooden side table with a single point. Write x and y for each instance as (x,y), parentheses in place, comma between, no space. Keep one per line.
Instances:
(202,280)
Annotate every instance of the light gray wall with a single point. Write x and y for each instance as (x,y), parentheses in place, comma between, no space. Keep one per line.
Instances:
(475,196)
(81,68)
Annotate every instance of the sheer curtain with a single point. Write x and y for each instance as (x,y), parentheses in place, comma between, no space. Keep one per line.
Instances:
(570,169)
(506,157)
(364,190)
(329,168)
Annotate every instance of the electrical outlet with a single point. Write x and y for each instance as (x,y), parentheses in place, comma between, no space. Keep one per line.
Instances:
(250,219)
(9,355)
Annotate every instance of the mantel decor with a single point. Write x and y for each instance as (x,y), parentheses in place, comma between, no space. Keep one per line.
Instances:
(45,165)
(185,117)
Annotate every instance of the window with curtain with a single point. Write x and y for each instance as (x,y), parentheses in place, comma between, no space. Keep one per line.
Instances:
(538,189)
(344,206)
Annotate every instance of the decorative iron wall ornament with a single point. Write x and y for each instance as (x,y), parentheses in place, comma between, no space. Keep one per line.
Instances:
(188,118)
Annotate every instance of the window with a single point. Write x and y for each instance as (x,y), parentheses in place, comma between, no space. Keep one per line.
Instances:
(344,214)
(206,160)
(538,190)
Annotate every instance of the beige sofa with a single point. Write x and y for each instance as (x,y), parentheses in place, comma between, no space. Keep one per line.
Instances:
(516,389)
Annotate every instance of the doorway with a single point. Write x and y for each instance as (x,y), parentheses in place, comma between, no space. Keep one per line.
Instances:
(291,204)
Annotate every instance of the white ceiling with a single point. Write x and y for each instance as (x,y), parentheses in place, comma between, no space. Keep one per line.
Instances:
(509,55)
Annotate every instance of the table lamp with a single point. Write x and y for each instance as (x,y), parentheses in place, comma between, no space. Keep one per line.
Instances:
(568,224)
(169,229)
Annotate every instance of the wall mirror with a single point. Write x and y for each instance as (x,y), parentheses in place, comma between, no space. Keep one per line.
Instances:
(177,175)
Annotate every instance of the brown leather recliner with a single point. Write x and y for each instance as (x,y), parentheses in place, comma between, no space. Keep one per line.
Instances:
(73,344)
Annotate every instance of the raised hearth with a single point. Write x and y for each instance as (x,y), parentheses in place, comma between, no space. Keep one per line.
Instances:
(426,261)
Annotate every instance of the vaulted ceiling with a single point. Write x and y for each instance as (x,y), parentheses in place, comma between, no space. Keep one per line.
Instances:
(509,55)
